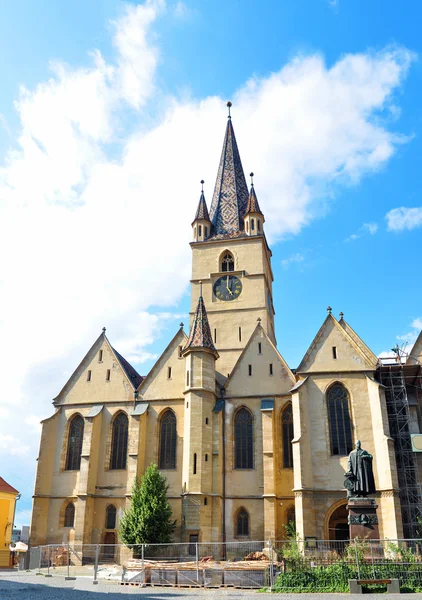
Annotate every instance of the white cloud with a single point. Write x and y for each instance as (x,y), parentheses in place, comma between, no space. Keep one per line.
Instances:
(11,445)
(98,217)
(294,258)
(370,228)
(399,219)
(410,337)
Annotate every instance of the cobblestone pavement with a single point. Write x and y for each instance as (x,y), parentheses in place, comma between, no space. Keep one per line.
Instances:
(24,586)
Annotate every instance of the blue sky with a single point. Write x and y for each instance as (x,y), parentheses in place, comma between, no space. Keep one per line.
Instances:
(111,113)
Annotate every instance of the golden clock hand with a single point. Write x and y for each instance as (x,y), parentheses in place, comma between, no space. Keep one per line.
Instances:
(227,286)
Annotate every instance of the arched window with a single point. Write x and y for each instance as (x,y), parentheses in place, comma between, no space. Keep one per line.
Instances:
(74,444)
(111,517)
(339,419)
(119,442)
(242,524)
(287,426)
(69,515)
(167,459)
(243,440)
(227,262)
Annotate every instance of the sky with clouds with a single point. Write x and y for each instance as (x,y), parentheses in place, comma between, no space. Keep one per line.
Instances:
(110,115)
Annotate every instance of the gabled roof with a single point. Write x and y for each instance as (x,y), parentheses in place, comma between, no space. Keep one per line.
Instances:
(202,210)
(359,341)
(259,329)
(200,332)
(131,374)
(6,488)
(349,336)
(253,206)
(230,197)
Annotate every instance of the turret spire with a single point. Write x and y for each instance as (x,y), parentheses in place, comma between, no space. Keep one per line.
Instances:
(230,197)
(253,206)
(200,333)
(202,210)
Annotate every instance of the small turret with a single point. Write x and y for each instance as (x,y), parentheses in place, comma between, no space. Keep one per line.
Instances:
(201,224)
(253,219)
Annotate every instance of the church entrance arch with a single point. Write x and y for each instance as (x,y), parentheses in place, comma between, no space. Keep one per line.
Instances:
(338,528)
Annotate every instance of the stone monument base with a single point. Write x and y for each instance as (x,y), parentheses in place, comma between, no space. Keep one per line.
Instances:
(363,520)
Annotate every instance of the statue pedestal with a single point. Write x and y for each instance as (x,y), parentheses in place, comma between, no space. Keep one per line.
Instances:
(363,520)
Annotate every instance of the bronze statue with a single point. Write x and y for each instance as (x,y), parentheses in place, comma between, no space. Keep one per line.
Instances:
(359,479)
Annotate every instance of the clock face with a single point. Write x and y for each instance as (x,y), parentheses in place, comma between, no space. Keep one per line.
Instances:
(227,287)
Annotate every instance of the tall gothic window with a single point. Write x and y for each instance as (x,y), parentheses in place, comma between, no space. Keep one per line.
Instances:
(287,426)
(69,515)
(339,419)
(242,525)
(74,444)
(111,517)
(227,262)
(119,442)
(243,440)
(168,439)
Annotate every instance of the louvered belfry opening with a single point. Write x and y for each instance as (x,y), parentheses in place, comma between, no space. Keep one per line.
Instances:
(168,441)
(340,422)
(243,439)
(287,426)
(119,442)
(74,446)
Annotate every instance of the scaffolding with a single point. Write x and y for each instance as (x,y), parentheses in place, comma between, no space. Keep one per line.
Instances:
(398,378)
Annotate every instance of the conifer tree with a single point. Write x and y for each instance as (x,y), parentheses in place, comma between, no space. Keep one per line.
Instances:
(148,519)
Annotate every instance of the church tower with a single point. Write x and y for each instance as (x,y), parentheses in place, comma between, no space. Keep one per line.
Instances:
(231,257)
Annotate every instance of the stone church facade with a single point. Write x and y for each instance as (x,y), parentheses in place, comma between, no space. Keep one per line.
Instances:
(246,443)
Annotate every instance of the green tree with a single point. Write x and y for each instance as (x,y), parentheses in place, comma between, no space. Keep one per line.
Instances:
(148,519)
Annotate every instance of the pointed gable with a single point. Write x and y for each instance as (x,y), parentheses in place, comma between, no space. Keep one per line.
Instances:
(102,375)
(253,205)
(259,353)
(160,383)
(415,356)
(364,348)
(230,197)
(334,349)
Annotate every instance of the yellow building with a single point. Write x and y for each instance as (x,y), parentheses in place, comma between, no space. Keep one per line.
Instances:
(246,443)
(8,497)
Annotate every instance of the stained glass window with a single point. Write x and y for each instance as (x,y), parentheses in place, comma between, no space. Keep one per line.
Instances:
(111,517)
(69,515)
(243,439)
(119,442)
(242,522)
(167,459)
(287,425)
(339,419)
(74,445)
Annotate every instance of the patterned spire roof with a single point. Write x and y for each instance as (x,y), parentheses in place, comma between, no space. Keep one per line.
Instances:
(253,206)
(200,332)
(202,210)
(230,197)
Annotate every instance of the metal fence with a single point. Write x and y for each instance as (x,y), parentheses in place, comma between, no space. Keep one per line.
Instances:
(286,565)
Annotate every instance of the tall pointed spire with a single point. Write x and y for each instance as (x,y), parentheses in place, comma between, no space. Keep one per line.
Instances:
(230,197)
(200,333)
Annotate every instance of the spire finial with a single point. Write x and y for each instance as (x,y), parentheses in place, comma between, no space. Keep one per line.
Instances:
(181,325)
(229,105)
(200,289)
(259,319)
(202,184)
(104,329)
(329,309)
(251,174)
(341,315)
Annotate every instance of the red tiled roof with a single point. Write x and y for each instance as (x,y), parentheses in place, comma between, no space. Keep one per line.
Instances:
(5,487)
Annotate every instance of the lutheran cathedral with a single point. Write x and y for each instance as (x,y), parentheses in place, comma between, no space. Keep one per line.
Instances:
(247,444)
